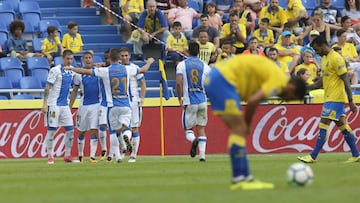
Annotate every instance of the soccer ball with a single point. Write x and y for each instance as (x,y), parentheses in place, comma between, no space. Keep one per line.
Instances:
(300,174)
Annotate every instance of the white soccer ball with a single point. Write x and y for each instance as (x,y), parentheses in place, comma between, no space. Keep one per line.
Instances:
(300,174)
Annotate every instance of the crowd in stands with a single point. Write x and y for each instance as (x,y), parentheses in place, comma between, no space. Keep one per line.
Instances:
(222,28)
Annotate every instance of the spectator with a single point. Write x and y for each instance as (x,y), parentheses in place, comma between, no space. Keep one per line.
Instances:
(86,3)
(317,23)
(309,65)
(244,15)
(276,16)
(214,18)
(51,46)
(226,51)
(110,21)
(213,33)
(176,44)
(356,37)
(296,15)
(288,53)
(288,27)
(264,35)
(152,23)
(223,8)
(253,47)
(352,9)
(164,6)
(184,15)
(72,40)
(131,10)
(303,74)
(273,54)
(207,51)
(331,15)
(254,7)
(234,32)
(16,44)
(351,73)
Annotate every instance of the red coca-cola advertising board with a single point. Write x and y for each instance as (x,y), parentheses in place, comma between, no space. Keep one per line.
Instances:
(275,129)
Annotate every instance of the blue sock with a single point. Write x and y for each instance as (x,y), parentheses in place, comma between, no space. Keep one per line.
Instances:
(320,141)
(349,138)
(135,134)
(237,151)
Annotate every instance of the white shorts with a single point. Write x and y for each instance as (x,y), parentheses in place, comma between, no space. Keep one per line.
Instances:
(195,114)
(58,116)
(103,115)
(136,114)
(87,117)
(119,116)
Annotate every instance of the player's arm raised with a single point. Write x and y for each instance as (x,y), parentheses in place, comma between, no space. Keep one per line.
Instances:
(146,67)
(346,80)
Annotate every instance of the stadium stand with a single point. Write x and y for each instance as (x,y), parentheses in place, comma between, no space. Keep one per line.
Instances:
(23,96)
(5,83)
(12,68)
(30,82)
(44,24)
(7,13)
(39,68)
(30,11)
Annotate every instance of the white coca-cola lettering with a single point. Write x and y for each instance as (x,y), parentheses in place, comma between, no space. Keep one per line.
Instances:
(27,140)
(275,132)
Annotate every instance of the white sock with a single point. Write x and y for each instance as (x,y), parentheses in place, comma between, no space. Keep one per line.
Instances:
(81,141)
(189,134)
(202,146)
(49,142)
(93,145)
(127,133)
(135,142)
(114,146)
(122,142)
(102,136)
(69,138)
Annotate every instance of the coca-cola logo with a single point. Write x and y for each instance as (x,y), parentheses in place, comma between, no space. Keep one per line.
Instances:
(277,131)
(27,139)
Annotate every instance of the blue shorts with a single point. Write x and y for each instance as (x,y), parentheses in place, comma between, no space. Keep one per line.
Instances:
(223,95)
(333,110)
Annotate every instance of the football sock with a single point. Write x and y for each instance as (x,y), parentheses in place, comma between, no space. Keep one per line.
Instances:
(93,145)
(49,142)
(237,151)
(349,138)
(202,146)
(81,141)
(69,138)
(114,146)
(189,134)
(102,136)
(320,141)
(127,132)
(135,142)
(121,141)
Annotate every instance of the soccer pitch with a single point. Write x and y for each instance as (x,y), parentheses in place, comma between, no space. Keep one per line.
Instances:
(173,179)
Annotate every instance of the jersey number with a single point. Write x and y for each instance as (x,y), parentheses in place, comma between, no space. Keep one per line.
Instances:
(194,76)
(116,83)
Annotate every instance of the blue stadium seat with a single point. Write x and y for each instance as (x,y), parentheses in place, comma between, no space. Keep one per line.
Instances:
(58,60)
(5,83)
(152,94)
(339,4)
(193,4)
(154,66)
(29,29)
(13,69)
(14,4)
(44,24)
(3,39)
(2,97)
(105,38)
(37,44)
(7,18)
(30,82)
(41,75)
(30,11)
(23,96)
(6,7)
(33,19)
(152,75)
(152,83)
(39,68)
(309,4)
(283,4)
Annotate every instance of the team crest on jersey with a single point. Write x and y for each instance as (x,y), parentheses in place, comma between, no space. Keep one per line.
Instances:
(207,81)
(52,114)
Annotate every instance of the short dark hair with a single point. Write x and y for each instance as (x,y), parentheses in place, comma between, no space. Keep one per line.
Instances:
(194,48)
(265,20)
(301,87)
(114,54)
(88,53)
(300,72)
(253,38)
(176,24)
(204,16)
(319,40)
(340,32)
(344,18)
(336,48)
(125,49)
(50,29)
(288,25)
(15,25)
(67,52)
(71,25)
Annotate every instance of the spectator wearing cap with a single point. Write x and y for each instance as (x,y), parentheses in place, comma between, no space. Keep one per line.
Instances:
(288,53)
(293,39)
(312,35)
(276,16)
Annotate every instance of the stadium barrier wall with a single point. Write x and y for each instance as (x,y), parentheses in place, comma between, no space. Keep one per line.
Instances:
(275,129)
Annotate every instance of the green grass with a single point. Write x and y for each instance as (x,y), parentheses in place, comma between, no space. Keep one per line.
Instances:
(173,179)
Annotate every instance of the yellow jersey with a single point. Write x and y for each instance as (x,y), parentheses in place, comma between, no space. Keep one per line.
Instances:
(134,6)
(333,65)
(51,45)
(226,30)
(283,67)
(286,59)
(205,51)
(276,18)
(251,73)
(179,43)
(348,50)
(72,43)
(292,40)
(312,70)
(265,38)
